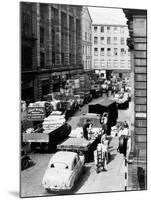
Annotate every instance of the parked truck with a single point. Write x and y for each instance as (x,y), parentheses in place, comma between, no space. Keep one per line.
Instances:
(96,90)
(37,111)
(106,106)
(46,135)
(76,142)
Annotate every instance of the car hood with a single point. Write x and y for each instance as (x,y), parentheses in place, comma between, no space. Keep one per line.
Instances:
(58,178)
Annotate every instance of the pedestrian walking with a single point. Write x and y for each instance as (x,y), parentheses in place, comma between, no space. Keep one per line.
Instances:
(124,140)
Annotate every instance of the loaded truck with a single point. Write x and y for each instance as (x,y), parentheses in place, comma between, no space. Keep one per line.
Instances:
(106,106)
(96,90)
(37,111)
(47,134)
(76,142)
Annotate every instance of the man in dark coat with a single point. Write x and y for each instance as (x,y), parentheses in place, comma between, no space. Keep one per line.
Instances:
(86,127)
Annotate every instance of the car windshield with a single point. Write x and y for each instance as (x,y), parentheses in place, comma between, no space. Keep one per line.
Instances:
(59,165)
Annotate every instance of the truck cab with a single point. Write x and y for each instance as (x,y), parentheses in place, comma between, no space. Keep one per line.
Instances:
(108,106)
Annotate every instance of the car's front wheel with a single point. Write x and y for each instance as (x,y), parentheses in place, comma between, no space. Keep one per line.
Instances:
(25,163)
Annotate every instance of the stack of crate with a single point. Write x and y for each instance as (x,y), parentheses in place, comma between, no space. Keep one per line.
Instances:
(81,83)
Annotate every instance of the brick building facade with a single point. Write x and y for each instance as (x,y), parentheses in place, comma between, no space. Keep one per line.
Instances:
(51,47)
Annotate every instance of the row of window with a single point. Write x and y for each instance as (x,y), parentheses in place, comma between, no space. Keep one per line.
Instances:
(87,64)
(108,63)
(107,40)
(87,50)
(109,29)
(87,37)
(109,52)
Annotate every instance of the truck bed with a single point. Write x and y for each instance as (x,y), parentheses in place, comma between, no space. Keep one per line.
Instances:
(76,144)
(58,134)
(35,137)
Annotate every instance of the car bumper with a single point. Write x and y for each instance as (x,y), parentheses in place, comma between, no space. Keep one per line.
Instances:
(57,188)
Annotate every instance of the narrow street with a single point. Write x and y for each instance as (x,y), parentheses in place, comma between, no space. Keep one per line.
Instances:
(89,181)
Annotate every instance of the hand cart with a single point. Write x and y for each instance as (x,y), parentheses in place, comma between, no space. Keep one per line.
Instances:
(100,159)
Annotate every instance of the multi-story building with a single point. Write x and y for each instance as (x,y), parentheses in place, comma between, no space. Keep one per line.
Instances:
(87,39)
(110,53)
(137,42)
(51,47)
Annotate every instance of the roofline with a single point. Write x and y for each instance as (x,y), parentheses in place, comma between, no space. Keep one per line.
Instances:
(122,25)
(88,12)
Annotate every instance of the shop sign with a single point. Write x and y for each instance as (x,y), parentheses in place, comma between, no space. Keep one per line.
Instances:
(36,113)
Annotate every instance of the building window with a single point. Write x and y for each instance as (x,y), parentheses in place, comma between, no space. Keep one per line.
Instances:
(53,57)
(95,40)
(102,63)
(122,30)
(115,40)
(108,51)
(95,63)
(129,64)
(122,40)
(115,63)
(41,35)
(96,51)
(42,59)
(102,40)
(108,40)
(108,29)
(122,51)
(129,53)
(102,51)
(115,29)
(108,63)
(115,52)
(122,63)
(85,36)
(62,57)
(102,29)
(85,50)
(95,28)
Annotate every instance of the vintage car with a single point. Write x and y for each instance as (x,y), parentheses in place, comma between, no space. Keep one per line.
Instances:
(26,161)
(63,170)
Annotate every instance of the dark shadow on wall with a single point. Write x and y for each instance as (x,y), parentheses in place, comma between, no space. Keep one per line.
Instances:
(141,178)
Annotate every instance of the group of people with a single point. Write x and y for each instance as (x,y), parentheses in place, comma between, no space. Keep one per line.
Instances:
(103,142)
(87,127)
(123,135)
